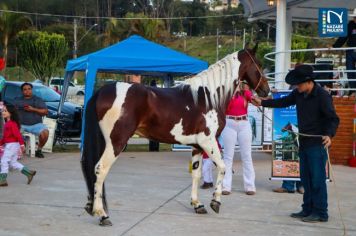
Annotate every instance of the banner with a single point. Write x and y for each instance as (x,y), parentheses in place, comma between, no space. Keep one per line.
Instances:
(285,162)
(267,126)
(255,118)
(285,159)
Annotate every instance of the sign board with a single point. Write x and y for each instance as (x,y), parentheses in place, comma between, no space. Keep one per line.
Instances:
(332,22)
(285,159)
(51,125)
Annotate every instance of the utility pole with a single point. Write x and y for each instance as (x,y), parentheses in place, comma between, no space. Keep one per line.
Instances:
(268,26)
(244,39)
(75,43)
(234,32)
(217,44)
(251,38)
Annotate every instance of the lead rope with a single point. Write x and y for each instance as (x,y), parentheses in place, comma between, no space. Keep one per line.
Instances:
(331,170)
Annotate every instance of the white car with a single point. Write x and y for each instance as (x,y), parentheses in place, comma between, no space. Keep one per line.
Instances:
(73,89)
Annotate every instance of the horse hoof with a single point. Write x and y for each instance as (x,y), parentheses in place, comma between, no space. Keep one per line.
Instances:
(200,210)
(89,208)
(215,205)
(104,221)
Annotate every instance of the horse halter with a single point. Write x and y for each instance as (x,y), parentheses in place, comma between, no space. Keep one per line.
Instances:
(261,74)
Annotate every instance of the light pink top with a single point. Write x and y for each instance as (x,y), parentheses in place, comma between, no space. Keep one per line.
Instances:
(238,104)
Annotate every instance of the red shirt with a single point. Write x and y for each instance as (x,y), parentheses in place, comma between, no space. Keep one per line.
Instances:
(11,133)
(238,104)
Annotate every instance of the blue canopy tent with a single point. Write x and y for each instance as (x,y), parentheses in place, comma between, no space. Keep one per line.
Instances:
(135,55)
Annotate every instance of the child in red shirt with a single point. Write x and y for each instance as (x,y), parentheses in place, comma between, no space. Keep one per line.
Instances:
(12,143)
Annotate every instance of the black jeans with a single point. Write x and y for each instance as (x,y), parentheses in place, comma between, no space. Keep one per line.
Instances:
(313,175)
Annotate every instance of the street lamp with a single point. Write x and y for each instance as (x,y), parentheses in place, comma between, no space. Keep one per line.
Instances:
(270,3)
(76,42)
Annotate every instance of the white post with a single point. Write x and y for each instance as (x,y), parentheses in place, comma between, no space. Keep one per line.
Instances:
(75,45)
(217,44)
(281,29)
(244,39)
(288,46)
(268,28)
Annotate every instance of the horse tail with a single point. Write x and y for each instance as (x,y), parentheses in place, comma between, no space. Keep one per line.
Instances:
(93,148)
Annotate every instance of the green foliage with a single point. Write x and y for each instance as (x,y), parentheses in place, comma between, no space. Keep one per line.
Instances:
(117,30)
(10,25)
(87,44)
(41,53)
(301,43)
(264,48)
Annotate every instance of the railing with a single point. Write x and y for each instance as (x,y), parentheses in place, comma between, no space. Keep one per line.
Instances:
(340,81)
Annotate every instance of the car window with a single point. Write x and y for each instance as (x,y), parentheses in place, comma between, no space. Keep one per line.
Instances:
(11,92)
(55,82)
(71,84)
(47,94)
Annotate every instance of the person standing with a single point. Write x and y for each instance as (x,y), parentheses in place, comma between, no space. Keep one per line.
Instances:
(238,128)
(31,110)
(350,41)
(12,145)
(316,116)
(207,169)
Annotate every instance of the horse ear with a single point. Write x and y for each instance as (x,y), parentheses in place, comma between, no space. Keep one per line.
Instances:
(254,50)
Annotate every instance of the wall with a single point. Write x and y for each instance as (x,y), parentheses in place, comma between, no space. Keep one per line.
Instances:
(341,149)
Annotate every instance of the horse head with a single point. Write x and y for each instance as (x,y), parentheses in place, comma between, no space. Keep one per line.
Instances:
(287,127)
(251,72)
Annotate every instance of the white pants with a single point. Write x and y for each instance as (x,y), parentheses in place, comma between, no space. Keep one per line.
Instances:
(208,170)
(241,131)
(9,158)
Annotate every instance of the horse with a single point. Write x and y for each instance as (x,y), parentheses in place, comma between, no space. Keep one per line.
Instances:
(191,114)
(292,130)
(293,144)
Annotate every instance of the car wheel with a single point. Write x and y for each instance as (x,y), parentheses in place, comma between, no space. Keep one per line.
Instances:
(80,93)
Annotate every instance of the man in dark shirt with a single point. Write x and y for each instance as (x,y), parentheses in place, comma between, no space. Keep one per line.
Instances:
(31,110)
(316,116)
(350,40)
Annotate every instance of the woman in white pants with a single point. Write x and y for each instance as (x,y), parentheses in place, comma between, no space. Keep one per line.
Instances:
(238,128)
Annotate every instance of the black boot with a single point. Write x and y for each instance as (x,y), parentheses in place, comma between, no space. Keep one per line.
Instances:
(29,174)
(206,185)
(299,215)
(39,154)
(3,182)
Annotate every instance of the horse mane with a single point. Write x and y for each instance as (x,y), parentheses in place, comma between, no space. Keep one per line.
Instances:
(218,79)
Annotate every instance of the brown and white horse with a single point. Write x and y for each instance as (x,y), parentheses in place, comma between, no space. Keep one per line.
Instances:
(191,114)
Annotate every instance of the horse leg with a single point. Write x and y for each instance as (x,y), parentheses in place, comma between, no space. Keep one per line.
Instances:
(212,149)
(196,175)
(101,170)
(116,139)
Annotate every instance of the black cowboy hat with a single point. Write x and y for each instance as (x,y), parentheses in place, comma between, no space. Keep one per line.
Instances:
(300,74)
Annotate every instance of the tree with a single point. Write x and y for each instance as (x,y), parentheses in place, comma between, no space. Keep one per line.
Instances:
(10,25)
(41,53)
(117,30)
(87,44)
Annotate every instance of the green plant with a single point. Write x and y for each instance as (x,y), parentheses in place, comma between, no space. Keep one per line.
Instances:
(41,53)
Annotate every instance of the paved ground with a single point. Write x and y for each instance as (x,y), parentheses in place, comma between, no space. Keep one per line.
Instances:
(149,194)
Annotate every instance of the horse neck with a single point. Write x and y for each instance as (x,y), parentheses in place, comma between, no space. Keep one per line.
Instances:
(219,79)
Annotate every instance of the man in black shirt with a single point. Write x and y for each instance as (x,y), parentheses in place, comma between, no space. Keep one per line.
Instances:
(316,116)
(350,40)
